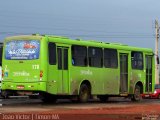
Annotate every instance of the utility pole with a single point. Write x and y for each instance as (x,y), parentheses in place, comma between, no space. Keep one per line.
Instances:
(156,53)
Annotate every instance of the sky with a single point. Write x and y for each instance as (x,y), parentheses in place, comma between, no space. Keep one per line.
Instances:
(130,22)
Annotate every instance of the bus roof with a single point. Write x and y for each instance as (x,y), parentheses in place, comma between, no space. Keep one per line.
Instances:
(65,40)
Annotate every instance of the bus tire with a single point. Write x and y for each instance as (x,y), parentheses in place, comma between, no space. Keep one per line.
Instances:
(137,94)
(84,93)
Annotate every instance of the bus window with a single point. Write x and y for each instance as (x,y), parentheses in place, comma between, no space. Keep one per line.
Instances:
(95,56)
(79,55)
(110,58)
(137,60)
(52,53)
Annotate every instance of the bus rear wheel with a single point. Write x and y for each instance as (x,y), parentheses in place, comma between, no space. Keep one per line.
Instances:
(84,93)
(137,94)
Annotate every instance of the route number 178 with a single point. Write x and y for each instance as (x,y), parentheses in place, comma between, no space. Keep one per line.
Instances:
(35,67)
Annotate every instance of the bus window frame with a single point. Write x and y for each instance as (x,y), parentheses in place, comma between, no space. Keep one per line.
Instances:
(54,60)
(74,57)
(110,57)
(95,57)
(135,60)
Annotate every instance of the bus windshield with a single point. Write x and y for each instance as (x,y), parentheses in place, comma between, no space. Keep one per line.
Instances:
(22,50)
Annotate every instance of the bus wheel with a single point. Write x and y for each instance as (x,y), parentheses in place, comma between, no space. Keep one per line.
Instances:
(103,98)
(84,93)
(137,94)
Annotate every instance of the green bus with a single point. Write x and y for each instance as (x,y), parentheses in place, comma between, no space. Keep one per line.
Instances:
(56,67)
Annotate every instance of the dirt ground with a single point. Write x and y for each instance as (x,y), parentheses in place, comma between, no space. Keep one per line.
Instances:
(96,111)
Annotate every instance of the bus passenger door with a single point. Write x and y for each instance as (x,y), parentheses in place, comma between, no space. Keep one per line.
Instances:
(123,73)
(148,73)
(63,84)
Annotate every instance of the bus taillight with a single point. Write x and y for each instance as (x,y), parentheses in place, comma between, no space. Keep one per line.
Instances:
(2,73)
(41,74)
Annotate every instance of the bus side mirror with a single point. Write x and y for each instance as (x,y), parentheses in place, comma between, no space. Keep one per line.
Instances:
(157,60)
